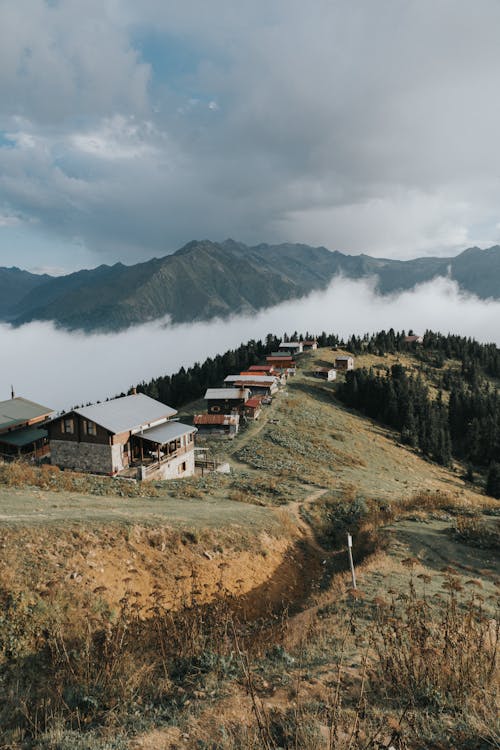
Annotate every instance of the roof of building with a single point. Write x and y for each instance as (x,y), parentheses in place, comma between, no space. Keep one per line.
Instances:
(166,432)
(23,437)
(251,378)
(220,419)
(260,368)
(411,339)
(290,345)
(343,357)
(18,411)
(324,369)
(253,403)
(227,393)
(279,355)
(310,342)
(127,413)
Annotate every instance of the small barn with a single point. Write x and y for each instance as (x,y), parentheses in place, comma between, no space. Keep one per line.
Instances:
(281,362)
(344,363)
(220,425)
(413,340)
(253,407)
(310,345)
(292,347)
(23,430)
(226,400)
(325,373)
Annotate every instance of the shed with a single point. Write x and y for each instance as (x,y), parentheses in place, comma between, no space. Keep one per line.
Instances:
(325,373)
(345,362)
(223,425)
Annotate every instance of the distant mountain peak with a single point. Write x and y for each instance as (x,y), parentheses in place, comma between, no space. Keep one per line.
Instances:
(206,279)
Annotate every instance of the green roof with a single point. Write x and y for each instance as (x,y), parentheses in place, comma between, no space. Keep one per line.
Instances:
(19,411)
(23,437)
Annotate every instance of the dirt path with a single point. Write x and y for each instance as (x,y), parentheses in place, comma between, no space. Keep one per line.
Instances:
(307,533)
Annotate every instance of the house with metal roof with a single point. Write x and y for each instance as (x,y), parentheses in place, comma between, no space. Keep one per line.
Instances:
(253,407)
(219,425)
(22,428)
(292,347)
(325,373)
(344,362)
(309,345)
(130,435)
(226,400)
(266,385)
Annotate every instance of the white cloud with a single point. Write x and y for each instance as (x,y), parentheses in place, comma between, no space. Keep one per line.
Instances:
(66,362)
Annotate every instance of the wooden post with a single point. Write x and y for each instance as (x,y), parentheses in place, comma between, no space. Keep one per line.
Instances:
(351,564)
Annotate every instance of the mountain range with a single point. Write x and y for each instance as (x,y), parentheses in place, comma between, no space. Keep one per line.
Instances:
(204,280)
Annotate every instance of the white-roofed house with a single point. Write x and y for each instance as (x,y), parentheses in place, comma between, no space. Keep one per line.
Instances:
(292,347)
(226,400)
(131,433)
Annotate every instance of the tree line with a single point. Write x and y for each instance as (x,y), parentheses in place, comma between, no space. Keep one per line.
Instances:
(465,424)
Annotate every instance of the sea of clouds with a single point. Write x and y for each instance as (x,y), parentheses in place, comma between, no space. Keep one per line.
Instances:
(60,368)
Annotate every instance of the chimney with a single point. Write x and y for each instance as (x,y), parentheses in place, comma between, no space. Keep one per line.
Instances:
(133,392)
(12,393)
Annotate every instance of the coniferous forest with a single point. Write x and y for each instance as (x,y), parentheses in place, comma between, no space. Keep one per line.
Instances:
(460,419)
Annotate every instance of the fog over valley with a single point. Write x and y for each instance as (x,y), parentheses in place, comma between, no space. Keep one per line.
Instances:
(61,369)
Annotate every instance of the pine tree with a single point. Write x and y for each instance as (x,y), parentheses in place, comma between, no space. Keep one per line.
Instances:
(493,480)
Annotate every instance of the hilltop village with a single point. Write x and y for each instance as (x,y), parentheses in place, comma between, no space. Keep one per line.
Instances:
(312,532)
(138,437)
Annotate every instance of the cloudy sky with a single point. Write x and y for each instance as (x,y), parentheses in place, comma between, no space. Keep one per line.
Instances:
(129,128)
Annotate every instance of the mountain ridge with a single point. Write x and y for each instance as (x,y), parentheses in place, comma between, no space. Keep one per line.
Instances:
(204,279)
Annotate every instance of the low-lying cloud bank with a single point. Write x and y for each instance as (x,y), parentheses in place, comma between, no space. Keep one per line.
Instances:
(60,369)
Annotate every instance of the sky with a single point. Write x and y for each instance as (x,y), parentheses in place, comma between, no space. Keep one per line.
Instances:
(128,129)
(72,368)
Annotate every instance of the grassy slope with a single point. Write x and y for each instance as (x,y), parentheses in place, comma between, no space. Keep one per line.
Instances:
(307,450)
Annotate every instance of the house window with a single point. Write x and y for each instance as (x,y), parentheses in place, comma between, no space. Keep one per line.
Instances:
(182,467)
(89,428)
(215,409)
(68,426)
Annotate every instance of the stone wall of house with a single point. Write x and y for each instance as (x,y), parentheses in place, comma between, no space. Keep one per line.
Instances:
(90,457)
(172,469)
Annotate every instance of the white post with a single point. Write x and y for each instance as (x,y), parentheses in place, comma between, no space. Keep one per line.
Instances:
(349,551)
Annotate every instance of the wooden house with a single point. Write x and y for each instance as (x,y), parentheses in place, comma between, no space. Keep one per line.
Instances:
(282,362)
(292,347)
(310,345)
(226,400)
(325,373)
(413,340)
(264,385)
(253,407)
(132,434)
(267,370)
(263,369)
(220,425)
(23,430)
(344,363)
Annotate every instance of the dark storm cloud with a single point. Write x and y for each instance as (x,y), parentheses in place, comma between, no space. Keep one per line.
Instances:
(361,126)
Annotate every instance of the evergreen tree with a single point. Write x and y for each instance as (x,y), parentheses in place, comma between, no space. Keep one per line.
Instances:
(493,480)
